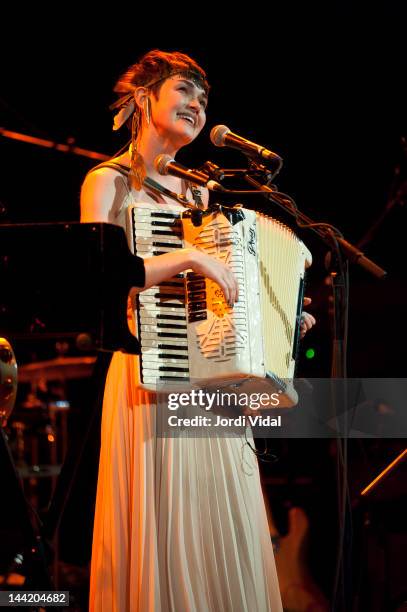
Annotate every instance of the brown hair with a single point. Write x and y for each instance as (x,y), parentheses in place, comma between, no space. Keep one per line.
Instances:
(155,66)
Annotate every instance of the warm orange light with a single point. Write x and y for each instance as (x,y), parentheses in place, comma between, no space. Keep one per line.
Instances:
(51,438)
(384,472)
(50,144)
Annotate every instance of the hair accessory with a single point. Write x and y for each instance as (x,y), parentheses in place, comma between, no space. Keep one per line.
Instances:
(124,113)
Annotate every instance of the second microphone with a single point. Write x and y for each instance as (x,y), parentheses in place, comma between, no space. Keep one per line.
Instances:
(165,164)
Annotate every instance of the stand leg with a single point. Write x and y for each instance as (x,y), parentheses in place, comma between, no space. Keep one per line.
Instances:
(34,554)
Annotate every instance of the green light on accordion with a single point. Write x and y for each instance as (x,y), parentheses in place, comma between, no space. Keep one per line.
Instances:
(310,353)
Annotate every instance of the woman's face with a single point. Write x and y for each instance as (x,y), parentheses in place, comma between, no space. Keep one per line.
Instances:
(179,113)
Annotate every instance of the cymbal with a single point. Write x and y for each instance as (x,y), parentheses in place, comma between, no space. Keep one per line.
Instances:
(8,380)
(61,368)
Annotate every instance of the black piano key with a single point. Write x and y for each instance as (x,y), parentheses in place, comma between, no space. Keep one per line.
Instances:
(176,226)
(196,285)
(172,378)
(165,214)
(166,347)
(193,306)
(171,326)
(197,316)
(170,245)
(197,296)
(169,305)
(171,335)
(171,317)
(172,369)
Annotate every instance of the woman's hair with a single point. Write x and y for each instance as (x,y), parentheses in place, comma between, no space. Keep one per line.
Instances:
(155,66)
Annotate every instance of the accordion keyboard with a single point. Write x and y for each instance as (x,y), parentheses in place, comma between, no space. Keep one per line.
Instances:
(162,320)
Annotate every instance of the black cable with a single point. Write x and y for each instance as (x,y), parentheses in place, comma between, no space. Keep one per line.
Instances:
(263,455)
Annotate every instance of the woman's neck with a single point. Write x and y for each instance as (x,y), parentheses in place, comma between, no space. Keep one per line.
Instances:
(150,147)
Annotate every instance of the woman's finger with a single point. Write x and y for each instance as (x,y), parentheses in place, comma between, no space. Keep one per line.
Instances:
(307,320)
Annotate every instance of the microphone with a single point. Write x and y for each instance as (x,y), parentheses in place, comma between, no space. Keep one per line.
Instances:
(165,164)
(221,136)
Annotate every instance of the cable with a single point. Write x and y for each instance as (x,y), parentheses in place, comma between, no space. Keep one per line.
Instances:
(264,455)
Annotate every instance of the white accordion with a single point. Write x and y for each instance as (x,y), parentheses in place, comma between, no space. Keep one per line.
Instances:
(188,333)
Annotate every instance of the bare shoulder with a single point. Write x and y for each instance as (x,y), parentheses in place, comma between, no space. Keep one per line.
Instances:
(102,194)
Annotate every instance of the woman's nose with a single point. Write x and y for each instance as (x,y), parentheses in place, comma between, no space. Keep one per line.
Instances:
(194,104)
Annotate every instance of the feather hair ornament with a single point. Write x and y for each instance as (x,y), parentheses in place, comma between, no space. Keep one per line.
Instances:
(126,105)
(124,113)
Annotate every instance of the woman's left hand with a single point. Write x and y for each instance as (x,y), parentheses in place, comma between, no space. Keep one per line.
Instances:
(307,320)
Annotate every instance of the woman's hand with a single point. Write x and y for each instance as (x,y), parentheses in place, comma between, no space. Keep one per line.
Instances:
(218,271)
(163,267)
(307,320)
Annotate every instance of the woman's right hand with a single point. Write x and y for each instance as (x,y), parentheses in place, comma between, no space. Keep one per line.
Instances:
(167,265)
(217,271)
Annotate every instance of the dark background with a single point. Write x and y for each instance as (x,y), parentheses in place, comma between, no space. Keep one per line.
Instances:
(323,87)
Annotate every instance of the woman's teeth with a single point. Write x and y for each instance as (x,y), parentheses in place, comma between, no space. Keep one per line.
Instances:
(187,118)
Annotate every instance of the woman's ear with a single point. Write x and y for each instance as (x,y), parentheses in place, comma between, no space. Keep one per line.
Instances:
(140,96)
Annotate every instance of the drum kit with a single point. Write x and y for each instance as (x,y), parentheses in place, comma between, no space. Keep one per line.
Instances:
(37,428)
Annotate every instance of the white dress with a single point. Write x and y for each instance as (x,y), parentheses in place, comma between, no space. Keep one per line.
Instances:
(180,523)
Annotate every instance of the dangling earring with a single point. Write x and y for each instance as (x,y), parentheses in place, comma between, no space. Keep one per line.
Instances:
(147,110)
(137,172)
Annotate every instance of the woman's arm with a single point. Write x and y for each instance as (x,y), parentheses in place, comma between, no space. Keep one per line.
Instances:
(103,191)
(165,266)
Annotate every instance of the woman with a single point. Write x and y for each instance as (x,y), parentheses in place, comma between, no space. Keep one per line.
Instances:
(180,524)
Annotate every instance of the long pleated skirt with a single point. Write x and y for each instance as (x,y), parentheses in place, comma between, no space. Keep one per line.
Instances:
(180,523)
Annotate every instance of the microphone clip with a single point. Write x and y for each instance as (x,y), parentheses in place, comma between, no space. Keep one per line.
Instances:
(212,170)
(257,169)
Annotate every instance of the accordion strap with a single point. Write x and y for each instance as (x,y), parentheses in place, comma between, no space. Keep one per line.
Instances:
(124,170)
(155,186)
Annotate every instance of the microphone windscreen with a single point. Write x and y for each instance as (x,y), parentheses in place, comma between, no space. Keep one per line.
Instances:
(218,134)
(161,162)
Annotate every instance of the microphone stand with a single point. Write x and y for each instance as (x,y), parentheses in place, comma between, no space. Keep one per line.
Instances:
(341,251)
(340,254)
(323,230)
